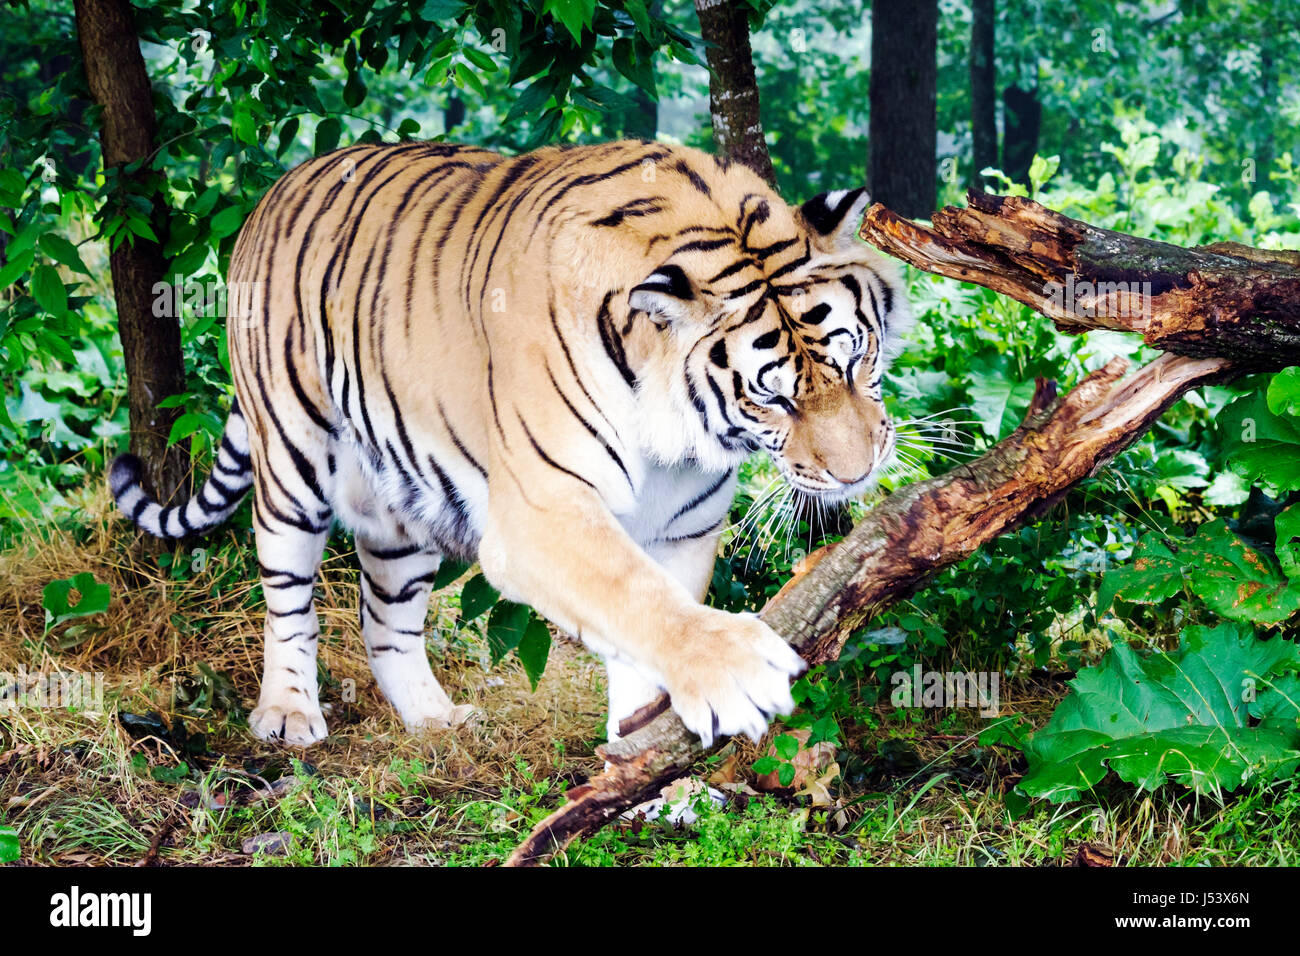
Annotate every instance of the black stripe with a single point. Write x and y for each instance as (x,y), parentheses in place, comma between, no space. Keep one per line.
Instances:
(699,499)
(392,554)
(612,343)
(732,269)
(695,178)
(547,458)
(587,425)
(460,446)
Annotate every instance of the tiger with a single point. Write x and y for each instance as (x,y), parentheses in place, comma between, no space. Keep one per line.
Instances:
(551,364)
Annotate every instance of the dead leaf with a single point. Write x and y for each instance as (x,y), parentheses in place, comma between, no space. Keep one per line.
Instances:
(1092,854)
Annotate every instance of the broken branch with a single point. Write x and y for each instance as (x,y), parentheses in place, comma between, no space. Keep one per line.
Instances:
(1217,311)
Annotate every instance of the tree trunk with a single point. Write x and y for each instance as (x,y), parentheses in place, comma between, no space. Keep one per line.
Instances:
(901,134)
(151,345)
(1218,312)
(733,89)
(983,90)
(1023,115)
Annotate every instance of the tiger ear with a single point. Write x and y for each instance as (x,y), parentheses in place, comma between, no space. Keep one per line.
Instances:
(833,219)
(664,294)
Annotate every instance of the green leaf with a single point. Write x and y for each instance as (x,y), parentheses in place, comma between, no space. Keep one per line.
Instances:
(574,14)
(354,91)
(480,59)
(260,54)
(786,746)
(1287,526)
(1237,581)
(476,597)
(765,765)
(1186,715)
(1226,490)
(638,69)
(439,11)
(9,849)
(998,398)
(55,598)
(184,426)
(449,570)
(466,78)
(63,252)
(208,198)
(245,122)
(328,132)
(17,266)
(49,291)
(1259,444)
(531,100)
(226,222)
(12,187)
(1042,169)
(640,16)
(785,774)
(506,627)
(288,132)
(534,649)
(1284,392)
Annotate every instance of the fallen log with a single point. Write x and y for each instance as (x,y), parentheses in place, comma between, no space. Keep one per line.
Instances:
(1218,312)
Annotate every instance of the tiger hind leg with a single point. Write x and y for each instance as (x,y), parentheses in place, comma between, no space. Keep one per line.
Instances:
(396,578)
(288,709)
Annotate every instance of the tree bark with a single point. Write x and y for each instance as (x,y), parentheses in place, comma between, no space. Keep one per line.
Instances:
(733,88)
(901,131)
(151,345)
(1218,312)
(983,90)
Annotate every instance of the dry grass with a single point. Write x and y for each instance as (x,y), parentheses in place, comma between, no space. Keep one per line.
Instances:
(75,769)
(80,789)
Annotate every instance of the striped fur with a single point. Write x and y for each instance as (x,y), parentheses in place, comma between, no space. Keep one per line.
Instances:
(551,364)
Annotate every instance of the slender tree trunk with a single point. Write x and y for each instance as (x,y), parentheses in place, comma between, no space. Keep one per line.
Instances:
(733,89)
(1267,145)
(901,136)
(983,90)
(151,345)
(1023,116)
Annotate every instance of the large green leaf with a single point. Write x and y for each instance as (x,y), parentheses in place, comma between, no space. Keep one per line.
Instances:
(476,597)
(9,849)
(506,627)
(1258,443)
(1217,712)
(534,649)
(1236,580)
(56,598)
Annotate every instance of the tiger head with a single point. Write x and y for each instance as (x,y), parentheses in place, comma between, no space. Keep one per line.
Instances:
(784,322)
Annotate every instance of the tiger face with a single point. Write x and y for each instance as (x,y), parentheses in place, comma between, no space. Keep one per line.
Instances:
(784,325)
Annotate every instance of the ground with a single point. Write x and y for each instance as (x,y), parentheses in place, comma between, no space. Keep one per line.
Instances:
(168,774)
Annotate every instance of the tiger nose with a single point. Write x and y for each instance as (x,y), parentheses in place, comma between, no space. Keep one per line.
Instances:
(848,481)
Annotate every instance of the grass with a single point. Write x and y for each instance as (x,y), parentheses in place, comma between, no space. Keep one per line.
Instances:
(183,642)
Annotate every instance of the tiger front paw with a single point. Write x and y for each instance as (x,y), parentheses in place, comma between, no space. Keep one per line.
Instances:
(730,674)
(297,723)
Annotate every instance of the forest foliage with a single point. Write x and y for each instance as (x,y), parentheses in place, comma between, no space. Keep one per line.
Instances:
(1174,121)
